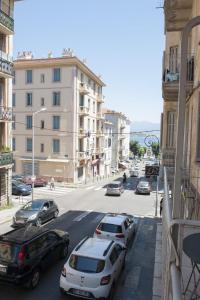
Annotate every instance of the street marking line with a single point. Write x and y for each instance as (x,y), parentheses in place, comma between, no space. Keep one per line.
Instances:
(99,188)
(82,216)
(90,187)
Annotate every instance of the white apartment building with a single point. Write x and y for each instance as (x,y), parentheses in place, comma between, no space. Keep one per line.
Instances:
(6,74)
(108,128)
(120,136)
(68,144)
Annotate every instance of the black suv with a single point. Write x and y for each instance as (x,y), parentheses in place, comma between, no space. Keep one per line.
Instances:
(25,252)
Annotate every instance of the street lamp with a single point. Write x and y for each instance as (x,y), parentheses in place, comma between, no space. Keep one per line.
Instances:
(33,145)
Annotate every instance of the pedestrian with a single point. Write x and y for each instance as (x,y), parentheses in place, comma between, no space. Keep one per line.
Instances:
(161,206)
(52,184)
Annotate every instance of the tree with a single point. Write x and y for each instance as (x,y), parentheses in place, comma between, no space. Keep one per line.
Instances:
(142,151)
(155,148)
(134,147)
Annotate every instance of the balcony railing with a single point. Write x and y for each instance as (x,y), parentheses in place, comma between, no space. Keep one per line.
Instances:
(100,98)
(6,21)
(99,132)
(100,116)
(5,113)
(82,155)
(6,64)
(84,88)
(168,157)
(6,159)
(83,110)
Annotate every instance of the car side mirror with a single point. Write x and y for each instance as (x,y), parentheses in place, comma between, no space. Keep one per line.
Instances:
(131,221)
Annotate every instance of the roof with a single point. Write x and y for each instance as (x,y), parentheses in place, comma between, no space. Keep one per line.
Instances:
(113,219)
(93,247)
(23,234)
(107,111)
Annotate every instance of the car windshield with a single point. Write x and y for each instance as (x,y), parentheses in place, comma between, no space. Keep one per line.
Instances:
(86,264)
(33,206)
(8,252)
(144,184)
(113,228)
(113,185)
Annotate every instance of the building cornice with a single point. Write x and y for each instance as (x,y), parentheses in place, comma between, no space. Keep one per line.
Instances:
(56,62)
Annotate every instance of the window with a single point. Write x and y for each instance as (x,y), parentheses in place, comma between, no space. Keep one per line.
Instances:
(29,76)
(14,77)
(42,78)
(13,100)
(198,132)
(42,101)
(56,122)
(56,98)
(94,87)
(93,107)
(86,264)
(88,104)
(81,100)
(42,124)
(13,144)
(29,99)
(170,129)
(56,74)
(29,144)
(113,256)
(13,123)
(28,122)
(173,59)
(93,126)
(82,78)
(56,146)
(88,124)
(41,147)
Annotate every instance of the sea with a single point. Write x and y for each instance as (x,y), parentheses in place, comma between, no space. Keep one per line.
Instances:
(141,138)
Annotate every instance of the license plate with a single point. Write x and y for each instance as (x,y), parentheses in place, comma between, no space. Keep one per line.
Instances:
(80,293)
(3,269)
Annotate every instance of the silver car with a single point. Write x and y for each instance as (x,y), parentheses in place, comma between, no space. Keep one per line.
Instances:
(115,188)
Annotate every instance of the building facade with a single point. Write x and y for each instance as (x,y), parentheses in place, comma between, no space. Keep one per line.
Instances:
(69,141)
(120,137)
(108,129)
(6,74)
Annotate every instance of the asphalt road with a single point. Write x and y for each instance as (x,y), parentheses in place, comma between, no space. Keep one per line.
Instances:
(80,212)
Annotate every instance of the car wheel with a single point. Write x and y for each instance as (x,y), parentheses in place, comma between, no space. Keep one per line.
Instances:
(34,280)
(64,251)
(38,222)
(56,213)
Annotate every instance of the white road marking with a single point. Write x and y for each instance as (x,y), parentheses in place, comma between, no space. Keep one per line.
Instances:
(99,188)
(90,187)
(82,216)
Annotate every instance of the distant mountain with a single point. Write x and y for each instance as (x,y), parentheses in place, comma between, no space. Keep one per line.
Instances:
(144,126)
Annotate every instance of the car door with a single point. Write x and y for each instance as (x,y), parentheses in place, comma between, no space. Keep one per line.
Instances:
(52,208)
(45,213)
(54,244)
(121,253)
(114,263)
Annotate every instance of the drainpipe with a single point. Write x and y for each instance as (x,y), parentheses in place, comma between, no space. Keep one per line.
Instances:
(181,118)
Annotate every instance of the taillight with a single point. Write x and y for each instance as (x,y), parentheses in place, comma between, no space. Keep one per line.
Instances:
(98,231)
(64,272)
(121,235)
(21,255)
(105,280)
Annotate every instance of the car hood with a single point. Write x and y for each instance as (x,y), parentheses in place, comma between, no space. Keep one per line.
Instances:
(26,213)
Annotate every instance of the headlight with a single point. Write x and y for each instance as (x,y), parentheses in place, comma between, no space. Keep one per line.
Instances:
(32,217)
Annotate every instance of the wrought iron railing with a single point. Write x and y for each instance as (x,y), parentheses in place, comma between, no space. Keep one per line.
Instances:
(6,63)
(5,113)
(6,20)
(6,159)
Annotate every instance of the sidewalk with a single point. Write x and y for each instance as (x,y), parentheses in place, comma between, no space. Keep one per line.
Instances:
(7,214)
(137,281)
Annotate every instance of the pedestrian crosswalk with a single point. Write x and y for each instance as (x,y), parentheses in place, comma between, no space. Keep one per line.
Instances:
(46,192)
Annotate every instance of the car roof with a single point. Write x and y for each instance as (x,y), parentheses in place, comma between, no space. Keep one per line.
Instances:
(143,182)
(23,234)
(114,219)
(40,200)
(93,247)
(115,182)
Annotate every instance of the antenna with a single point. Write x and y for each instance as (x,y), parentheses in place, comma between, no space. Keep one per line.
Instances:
(160,4)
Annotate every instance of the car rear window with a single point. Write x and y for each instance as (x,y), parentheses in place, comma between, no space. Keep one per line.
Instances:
(86,264)
(110,228)
(113,185)
(8,252)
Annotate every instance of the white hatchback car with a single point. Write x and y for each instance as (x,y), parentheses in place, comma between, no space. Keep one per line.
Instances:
(92,270)
(115,188)
(118,227)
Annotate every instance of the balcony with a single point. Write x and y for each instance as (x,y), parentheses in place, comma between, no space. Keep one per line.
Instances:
(100,98)
(122,148)
(6,65)
(122,126)
(6,23)
(83,133)
(122,136)
(99,133)
(5,114)
(177,14)
(100,116)
(168,157)
(6,159)
(84,89)
(82,155)
(99,150)
(171,82)
(83,110)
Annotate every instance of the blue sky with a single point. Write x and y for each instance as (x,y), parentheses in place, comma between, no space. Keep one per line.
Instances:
(122,40)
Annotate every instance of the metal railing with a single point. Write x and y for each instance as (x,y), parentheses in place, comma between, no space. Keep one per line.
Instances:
(6,20)
(5,113)
(6,63)
(6,159)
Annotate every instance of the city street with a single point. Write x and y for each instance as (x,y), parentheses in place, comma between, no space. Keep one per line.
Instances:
(80,212)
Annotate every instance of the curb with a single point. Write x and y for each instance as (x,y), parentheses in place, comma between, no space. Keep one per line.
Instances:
(6,220)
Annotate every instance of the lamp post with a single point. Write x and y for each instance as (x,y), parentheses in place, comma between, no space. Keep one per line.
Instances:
(33,145)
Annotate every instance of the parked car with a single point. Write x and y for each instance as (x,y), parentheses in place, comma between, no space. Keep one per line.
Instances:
(143,187)
(17,177)
(36,212)
(93,268)
(19,188)
(38,182)
(25,252)
(118,227)
(115,188)
(134,173)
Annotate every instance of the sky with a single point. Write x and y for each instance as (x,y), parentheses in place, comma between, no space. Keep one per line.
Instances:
(123,40)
